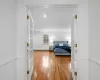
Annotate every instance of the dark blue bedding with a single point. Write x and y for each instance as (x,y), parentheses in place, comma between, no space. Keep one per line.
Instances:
(65,48)
(62,47)
(59,51)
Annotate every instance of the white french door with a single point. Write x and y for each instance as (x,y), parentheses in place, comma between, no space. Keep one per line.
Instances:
(29,46)
(74,47)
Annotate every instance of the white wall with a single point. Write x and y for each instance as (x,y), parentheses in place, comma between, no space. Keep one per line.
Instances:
(8,40)
(53,35)
(94,39)
(22,37)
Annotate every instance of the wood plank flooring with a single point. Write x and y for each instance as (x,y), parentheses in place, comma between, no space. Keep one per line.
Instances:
(47,66)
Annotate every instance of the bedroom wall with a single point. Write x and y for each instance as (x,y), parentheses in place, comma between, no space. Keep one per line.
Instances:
(8,40)
(53,36)
(38,42)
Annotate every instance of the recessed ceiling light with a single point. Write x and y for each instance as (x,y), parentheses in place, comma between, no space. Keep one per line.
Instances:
(45,15)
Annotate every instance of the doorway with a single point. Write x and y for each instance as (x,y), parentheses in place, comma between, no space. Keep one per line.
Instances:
(53,36)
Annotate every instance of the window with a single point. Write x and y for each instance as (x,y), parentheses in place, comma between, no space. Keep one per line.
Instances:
(45,39)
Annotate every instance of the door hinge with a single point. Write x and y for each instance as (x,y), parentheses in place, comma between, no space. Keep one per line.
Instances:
(75,45)
(28,72)
(27,44)
(28,16)
(75,17)
(75,73)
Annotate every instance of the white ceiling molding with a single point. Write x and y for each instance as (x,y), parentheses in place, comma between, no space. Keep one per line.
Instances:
(54,30)
(53,6)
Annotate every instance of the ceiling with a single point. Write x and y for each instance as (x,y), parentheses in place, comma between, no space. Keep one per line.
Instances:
(31,3)
(52,17)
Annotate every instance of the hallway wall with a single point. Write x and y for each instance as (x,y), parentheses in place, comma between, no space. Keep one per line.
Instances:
(8,40)
(94,39)
(22,37)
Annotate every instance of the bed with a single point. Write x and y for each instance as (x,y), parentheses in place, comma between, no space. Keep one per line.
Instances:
(62,48)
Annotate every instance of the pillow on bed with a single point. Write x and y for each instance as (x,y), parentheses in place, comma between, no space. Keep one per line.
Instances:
(61,45)
(65,45)
(56,44)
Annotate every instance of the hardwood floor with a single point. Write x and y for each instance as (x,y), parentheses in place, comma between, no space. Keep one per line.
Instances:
(50,67)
